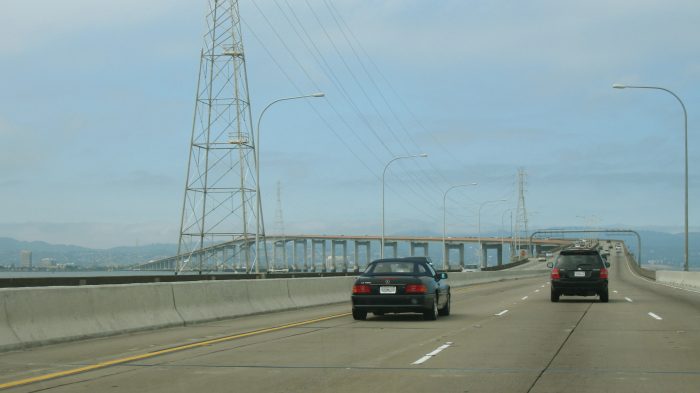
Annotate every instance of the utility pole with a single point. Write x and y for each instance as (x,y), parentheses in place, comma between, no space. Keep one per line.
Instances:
(521,230)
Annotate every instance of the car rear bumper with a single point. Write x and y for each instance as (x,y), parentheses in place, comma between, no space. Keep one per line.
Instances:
(393,303)
(578,288)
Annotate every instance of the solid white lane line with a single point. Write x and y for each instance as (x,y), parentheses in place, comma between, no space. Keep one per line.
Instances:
(658,318)
(628,299)
(523,298)
(431,354)
(501,313)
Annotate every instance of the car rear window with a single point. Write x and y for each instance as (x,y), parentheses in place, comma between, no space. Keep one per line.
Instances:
(397,267)
(579,261)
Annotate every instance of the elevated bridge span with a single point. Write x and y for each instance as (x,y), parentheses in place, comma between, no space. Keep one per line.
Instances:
(330,253)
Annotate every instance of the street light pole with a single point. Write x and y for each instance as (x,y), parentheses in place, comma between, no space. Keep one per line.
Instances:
(481,251)
(444,222)
(685,116)
(510,229)
(381,252)
(257,173)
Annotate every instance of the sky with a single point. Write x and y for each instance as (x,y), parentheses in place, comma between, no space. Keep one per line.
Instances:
(97,102)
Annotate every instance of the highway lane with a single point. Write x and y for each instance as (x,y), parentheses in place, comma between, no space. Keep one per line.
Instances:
(502,337)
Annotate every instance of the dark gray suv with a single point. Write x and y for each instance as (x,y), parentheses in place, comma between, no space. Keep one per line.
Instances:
(579,272)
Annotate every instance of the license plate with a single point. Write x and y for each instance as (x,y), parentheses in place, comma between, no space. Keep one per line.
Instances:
(579,274)
(387,290)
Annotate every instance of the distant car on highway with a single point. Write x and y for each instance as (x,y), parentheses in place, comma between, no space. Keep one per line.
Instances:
(401,285)
(579,272)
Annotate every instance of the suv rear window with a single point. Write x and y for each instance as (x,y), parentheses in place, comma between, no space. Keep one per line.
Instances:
(590,260)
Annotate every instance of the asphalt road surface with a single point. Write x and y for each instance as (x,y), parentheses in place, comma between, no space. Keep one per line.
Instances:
(501,337)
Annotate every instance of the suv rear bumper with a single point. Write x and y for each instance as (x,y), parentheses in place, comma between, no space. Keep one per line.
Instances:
(578,288)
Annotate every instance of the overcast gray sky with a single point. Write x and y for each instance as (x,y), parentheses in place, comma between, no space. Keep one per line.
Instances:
(97,99)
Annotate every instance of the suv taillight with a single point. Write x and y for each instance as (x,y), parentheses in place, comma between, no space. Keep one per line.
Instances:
(416,288)
(603,272)
(361,289)
(555,274)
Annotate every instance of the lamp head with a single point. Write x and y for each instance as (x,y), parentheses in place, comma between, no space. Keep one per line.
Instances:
(618,86)
(423,155)
(319,94)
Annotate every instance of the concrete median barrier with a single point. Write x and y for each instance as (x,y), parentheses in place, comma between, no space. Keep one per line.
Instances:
(8,338)
(270,295)
(211,300)
(467,278)
(689,280)
(42,315)
(47,315)
(307,292)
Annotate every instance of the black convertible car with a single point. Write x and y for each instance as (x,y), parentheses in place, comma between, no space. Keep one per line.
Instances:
(399,285)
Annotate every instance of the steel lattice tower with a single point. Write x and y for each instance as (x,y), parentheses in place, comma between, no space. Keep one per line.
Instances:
(220,190)
(521,230)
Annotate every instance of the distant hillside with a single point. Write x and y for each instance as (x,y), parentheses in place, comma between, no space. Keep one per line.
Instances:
(10,253)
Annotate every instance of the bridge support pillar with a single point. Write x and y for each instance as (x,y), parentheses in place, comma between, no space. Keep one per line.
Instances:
(282,245)
(358,244)
(344,244)
(322,243)
(394,247)
(299,267)
(459,247)
(422,245)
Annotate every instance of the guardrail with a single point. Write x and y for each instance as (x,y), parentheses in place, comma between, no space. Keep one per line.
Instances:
(43,315)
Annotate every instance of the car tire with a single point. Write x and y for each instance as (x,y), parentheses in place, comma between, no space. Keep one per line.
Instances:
(359,315)
(554,296)
(604,297)
(431,314)
(445,311)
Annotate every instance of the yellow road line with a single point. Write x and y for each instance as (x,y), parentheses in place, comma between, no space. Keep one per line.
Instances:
(114,362)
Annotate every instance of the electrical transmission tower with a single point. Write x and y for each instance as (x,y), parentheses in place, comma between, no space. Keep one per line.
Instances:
(521,231)
(220,190)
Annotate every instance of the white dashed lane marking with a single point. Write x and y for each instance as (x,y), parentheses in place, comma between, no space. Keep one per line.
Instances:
(434,353)
(501,313)
(658,318)
(523,298)
(628,299)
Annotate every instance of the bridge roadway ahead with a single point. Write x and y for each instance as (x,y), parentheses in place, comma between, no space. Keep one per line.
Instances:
(501,337)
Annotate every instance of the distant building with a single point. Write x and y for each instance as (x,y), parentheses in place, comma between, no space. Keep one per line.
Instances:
(25,257)
(47,262)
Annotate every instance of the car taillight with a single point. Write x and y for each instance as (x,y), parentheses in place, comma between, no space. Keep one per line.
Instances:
(361,288)
(555,274)
(603,273)
(416,288)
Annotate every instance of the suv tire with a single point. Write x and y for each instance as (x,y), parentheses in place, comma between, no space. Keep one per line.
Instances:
(554,296)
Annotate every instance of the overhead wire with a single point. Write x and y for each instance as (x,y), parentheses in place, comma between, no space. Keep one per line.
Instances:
(349,99)
(324,120)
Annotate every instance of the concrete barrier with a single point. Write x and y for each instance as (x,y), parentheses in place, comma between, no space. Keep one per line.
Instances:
(46,315)
(307,292)
(42,315)
(690,280)
(8,338)
(215,300)
(462,279)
